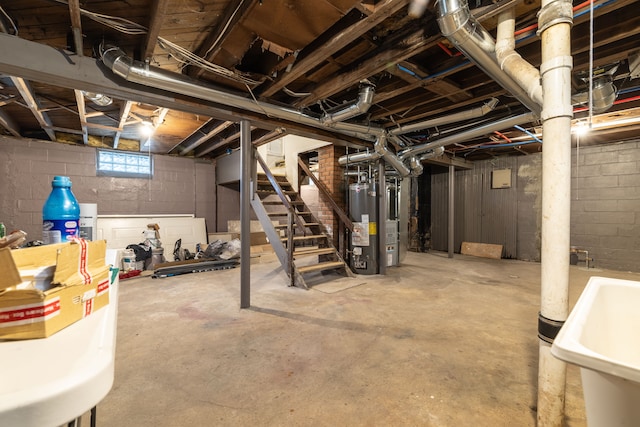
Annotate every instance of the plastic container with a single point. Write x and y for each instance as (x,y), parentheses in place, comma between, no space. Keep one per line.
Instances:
(601,336)
(61,213)
(129,260)
(88,221)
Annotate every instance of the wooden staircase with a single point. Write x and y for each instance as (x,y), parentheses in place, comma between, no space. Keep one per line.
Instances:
(299,240)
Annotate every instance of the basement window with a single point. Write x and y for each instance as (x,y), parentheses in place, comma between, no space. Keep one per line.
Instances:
(122,164)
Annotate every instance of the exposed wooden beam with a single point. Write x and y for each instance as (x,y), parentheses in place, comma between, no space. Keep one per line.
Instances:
(124,115)
(32,103)
(76,26)
(387,58)
(82,115)
(235,12)
(203,137)
(20,57)
(411,44)
(430,105)
(446,160)
(381,12)
(158,12)
(7,122)
(220,144)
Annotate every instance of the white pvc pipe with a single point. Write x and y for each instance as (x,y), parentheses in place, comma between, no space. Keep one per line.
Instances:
(556,199)
(510,61)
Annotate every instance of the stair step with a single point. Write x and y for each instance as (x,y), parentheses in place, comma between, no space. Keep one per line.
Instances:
(303,238)
(266,182)
(320,266)
(279,178)
(311,252)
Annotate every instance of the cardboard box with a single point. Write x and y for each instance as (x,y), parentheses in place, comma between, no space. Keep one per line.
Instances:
(81,286)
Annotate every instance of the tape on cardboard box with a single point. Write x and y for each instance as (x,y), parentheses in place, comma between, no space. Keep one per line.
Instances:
(83,279)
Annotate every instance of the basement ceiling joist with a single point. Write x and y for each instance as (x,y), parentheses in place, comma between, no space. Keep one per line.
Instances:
(309,55)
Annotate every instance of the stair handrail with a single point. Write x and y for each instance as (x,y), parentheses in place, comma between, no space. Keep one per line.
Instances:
(278,189)
(326,195)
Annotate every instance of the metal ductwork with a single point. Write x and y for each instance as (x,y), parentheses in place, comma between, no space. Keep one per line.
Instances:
(363,156)
(139,72)
(381,148)
(473,113)
(436,152)
(465,136)
(364,101)
(470,38)
(380,151)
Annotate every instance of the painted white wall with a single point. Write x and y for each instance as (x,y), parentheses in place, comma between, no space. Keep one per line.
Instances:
(294,145)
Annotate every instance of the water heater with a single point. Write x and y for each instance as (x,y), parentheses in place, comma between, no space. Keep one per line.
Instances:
(363,209)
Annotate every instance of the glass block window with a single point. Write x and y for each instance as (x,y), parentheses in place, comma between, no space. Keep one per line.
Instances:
(123,164)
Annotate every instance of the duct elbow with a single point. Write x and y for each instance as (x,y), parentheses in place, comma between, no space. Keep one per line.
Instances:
(381,148)
(416,166)
(489,106)
(361,106)
(436,152)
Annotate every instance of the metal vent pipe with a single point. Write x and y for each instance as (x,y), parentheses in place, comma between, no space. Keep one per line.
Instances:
(361,106)
(473,113)
(139,72)
(475,42)
(465,136)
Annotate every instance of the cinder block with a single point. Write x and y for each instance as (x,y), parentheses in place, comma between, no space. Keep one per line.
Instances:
(629,155)
(629,205)
(591,158)
(617,259)
(597,182)
(66,154)
(586,171)
(629,181)
(28,205)
(620,168)
(597,205)
(620,242)
(604,218)
(80,169)
(51,168)
(595,229)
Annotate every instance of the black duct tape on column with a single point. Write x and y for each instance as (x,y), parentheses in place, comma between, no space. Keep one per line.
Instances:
(548,329)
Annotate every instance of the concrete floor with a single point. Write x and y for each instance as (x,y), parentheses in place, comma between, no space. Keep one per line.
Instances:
(436,342)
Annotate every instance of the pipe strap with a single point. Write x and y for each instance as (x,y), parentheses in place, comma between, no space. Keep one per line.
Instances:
(556,12)
(548,329)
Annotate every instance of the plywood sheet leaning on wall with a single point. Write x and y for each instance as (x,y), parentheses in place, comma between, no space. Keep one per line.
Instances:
(483,250)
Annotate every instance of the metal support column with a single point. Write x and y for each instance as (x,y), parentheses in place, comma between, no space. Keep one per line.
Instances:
(452,204)
(246,159)
(382,218)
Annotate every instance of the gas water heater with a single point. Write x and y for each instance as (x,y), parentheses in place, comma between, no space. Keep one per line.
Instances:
(363,207)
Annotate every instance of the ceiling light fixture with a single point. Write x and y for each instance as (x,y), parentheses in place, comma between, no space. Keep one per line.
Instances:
(580,128)
(98,98)
(146,128)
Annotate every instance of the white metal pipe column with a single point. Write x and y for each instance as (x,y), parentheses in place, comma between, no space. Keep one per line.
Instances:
(555,21)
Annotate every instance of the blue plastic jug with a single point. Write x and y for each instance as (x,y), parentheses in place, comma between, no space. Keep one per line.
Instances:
(61,213)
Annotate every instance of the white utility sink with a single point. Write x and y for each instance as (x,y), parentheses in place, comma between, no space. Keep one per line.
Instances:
(602,336)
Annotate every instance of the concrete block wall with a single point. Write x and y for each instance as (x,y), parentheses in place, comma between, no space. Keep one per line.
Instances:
(179,185)
(529,209)
(605,204)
